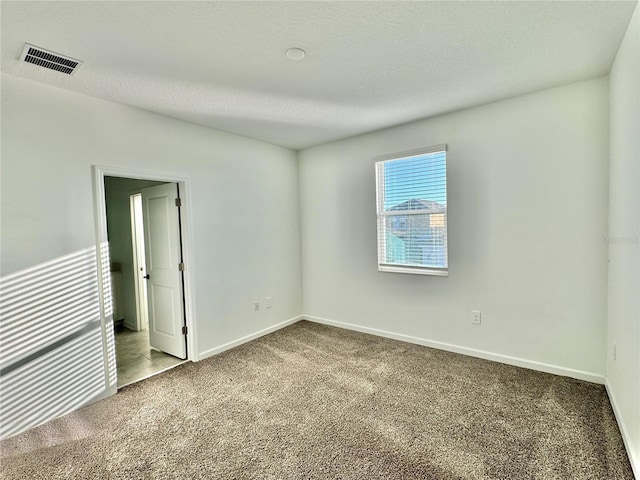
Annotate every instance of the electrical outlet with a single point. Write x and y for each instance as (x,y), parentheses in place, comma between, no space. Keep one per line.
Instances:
(476,317)
(614,351)
(256,306)
(268,302)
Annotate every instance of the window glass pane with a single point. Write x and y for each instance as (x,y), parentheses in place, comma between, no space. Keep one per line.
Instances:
(417,240)
(416,182)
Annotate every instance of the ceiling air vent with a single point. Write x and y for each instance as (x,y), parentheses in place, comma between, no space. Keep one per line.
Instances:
(51,60)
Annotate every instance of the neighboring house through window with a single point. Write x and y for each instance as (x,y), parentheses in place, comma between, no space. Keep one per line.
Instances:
(412,212)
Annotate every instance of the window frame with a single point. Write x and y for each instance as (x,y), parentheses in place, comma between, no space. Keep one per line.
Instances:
(381,215)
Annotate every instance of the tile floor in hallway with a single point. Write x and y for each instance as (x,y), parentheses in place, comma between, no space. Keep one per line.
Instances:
(136,359)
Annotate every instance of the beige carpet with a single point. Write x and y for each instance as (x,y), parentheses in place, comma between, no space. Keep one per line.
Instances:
(312,401)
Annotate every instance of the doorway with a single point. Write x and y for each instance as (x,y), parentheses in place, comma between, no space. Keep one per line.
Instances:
(144,235)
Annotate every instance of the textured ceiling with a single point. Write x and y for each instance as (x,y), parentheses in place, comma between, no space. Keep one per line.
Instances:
(370,65)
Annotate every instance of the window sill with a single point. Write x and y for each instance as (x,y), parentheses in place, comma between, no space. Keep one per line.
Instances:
(414,271)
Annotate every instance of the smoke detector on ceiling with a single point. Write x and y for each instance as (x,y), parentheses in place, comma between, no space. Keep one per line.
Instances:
(51,60)
(296,54)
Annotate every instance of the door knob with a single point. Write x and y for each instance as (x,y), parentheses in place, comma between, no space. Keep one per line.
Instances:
(146,276)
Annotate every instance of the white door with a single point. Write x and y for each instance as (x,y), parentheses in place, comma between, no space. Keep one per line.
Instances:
(164,278)
(140,284)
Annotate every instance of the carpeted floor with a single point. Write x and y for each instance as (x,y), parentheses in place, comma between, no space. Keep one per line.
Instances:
(312,401)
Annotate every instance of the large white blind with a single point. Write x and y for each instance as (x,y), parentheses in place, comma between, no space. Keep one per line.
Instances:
(412,212)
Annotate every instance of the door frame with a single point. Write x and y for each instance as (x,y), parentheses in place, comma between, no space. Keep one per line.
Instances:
(184,184)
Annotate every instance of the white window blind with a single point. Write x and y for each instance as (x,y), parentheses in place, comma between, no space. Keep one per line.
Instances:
(412,212)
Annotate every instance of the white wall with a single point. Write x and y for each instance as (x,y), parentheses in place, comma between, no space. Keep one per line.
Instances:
(245,230)
(623,373)
(117,194)
(528,194)
(527,203)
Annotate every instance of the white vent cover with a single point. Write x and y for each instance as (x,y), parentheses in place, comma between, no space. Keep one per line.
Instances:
(51,60)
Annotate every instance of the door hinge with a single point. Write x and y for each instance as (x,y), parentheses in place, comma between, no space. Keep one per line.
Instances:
(178,202)
(181,267)
(184,330)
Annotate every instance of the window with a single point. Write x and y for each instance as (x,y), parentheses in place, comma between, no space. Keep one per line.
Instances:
(412,212)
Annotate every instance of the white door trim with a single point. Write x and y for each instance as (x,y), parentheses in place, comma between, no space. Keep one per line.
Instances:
(101,171)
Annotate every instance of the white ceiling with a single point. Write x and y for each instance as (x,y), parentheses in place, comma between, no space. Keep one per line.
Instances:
(370,65)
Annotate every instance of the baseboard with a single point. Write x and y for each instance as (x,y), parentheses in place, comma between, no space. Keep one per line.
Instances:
(633,458)
(247,338)
(130,325)
(472,352)
(496,357)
